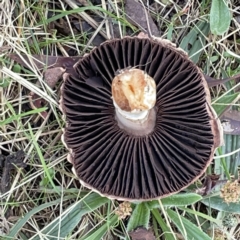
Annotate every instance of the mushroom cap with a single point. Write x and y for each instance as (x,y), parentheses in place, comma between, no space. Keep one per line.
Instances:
(125,166)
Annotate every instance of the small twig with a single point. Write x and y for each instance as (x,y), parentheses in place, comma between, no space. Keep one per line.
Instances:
(119,24)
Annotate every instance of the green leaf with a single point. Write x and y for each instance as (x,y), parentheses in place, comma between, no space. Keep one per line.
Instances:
(170,32)
(45,181)
(181,199)
(164,227)
(217,203)
(100,232)
(18,226)
(79,10)
(21,115)
(195,40)
(42,159)
(224,102)
(200,214)
(220,17)
(16,68)
(188,229)
(139,217)
(69,219)
(4,82)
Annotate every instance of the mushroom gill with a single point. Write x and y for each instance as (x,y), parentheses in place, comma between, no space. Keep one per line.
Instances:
(134,164)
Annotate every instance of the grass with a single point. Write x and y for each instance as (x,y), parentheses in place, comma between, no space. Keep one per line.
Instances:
(45,200)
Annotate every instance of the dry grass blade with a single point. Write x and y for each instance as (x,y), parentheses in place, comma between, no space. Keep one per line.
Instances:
(87,18)
(28,85)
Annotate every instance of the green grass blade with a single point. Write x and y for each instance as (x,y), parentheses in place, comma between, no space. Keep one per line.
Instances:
(166,230)
(39,152)
(224,102)
(188,229)
(100,232)
(64,225)
(18,226)
(207,217)
(77,10)
(17,117)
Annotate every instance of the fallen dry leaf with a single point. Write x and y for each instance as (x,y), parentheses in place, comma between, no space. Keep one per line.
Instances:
(44,61)
(210,182)
(137,15)
(4,49)
(141,233)
(51,77)
(231,122)
(55,67)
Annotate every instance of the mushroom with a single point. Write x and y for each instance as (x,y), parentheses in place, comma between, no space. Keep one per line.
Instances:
(139,121)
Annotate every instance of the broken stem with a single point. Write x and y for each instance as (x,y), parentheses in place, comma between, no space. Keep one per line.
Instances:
(134,98)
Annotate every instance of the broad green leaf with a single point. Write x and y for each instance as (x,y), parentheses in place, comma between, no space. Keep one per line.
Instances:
(164,227)
(181,199)
(100,232)
(194,42)
(69,219)
(188,229)
(139,217)
(217,203)
(224,102)
(220,17)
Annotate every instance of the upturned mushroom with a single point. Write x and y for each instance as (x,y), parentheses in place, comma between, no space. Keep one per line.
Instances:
(139,121)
